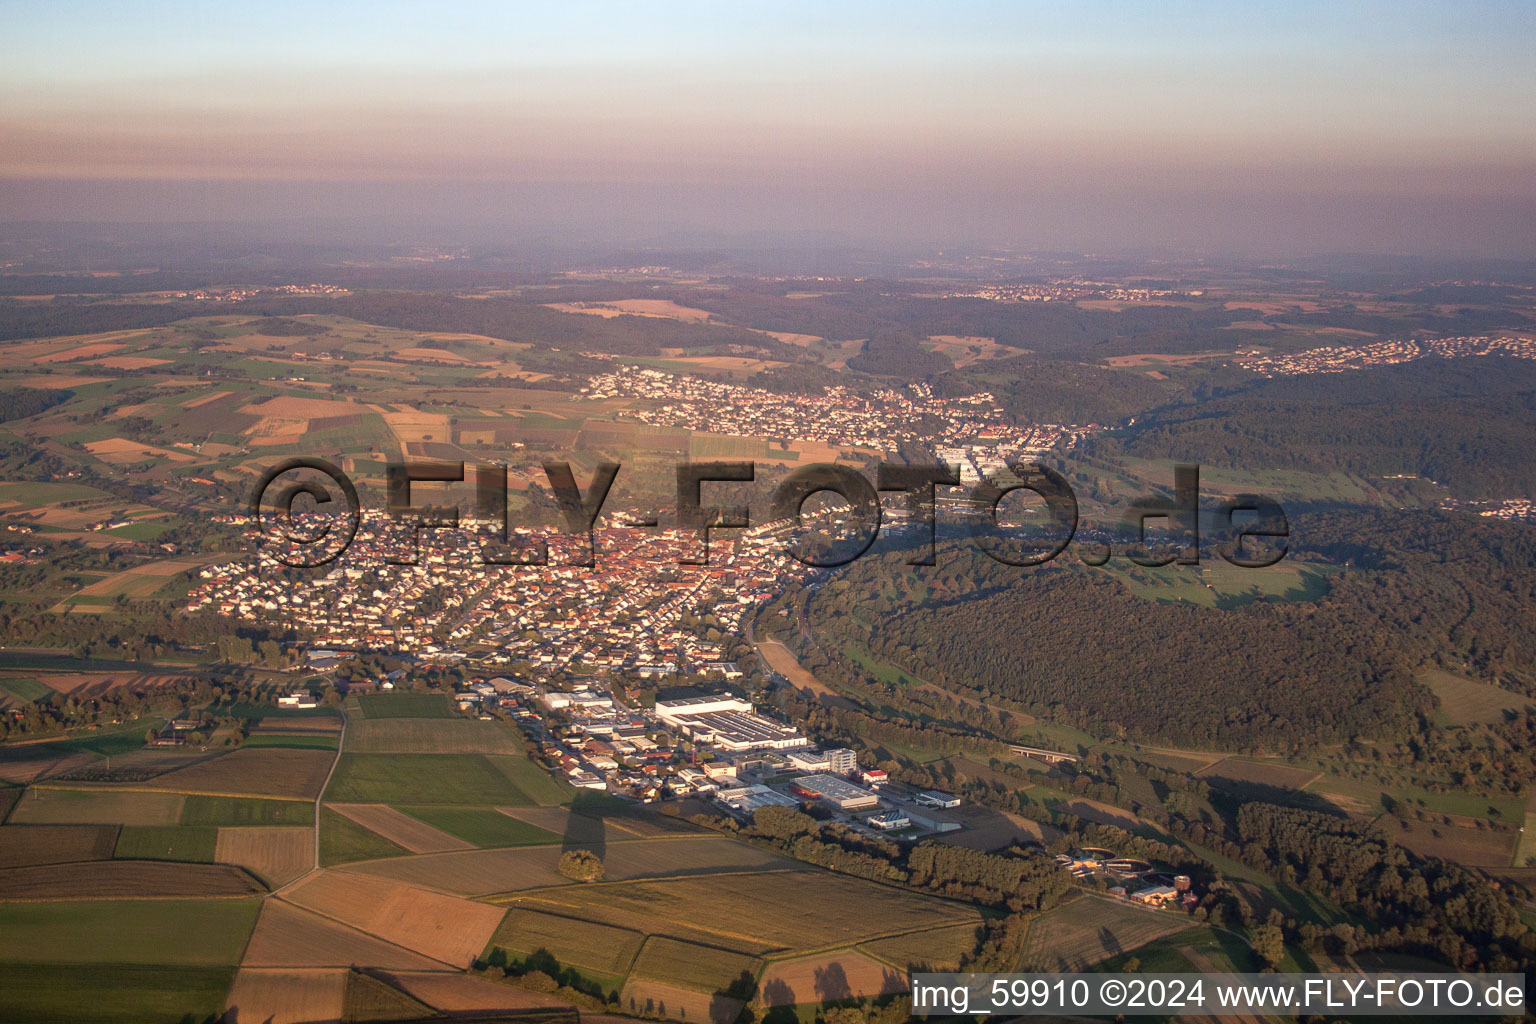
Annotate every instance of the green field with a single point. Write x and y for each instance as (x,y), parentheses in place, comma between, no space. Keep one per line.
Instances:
(422,779)
(343,841)
(531,780)
(483,826)
(84,932)
(405,705)
(42,493)
(272,739)
(23,688)
(1466,701)
(1087,931)
(111,993)
(195,843)
(227,811)
(432,736)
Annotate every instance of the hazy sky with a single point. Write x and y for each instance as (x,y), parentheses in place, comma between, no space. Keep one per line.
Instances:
(1284,126)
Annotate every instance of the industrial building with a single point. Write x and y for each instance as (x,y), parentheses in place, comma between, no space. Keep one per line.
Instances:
(747,799)
(729,723)
(830,789)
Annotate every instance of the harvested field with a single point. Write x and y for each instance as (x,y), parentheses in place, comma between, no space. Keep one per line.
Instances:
(782,660)
(45,805)
(128,362)
(22,765)
(401,829)
(572,829)
(1092,929)
(275,855)
(404,705)
(125,880)
(481,872)
(21,845)
(431,736)
(573,942)
(445,928)
(754,913)
(290,936)
(1103,814)
(465,994)
(689,965)
(121,451)
(258,771)
(293,407)
(370,998)
(988,829)
(657,999)
(829,977)
(306,725)
(287,997)
(938,949)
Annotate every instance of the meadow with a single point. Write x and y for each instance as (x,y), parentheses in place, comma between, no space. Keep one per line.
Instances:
(1077,935)
(422,779)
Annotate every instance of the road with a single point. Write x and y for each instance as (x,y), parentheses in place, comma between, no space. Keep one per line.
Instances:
(341,742)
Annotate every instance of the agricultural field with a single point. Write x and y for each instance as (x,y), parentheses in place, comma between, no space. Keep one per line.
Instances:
(288,996)
(1463,843)
(516,869)
(445,928)
(261,772)
(938,948)
(180,932)
(752,913)
(484,827)
(1466,701)
(124,879)
(829,977)
(431,736)
(112,993)
(1077,935)
(276,856)
(692,966)
(287,935)
(194,843)
(586,945)
(1260,778)
(404,705)
(423,779)
(50,806)
(399,828)
(233,811)
(21,845)
(343,841)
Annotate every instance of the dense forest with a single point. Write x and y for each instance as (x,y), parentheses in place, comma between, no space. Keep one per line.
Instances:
(1469,424)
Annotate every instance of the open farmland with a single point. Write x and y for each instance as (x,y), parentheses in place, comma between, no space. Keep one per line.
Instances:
(586,945)
(483,827)
(184,932)
(265,771)
(431,736)
(444,928)
(938,948)
(644,997)
(1080,934)
(402,829)
(421,779)
(167,842)
(112,993)
(404,705)
(274,855)
(1464,844)
(49,806)
(290,936)
(124,880)
(468,996)
(234,811)
(343,841)
(689,965)
(287,996)
(21,845)
(1466,701)
(753,913)
(829,977)
(483,872)
(1256,778)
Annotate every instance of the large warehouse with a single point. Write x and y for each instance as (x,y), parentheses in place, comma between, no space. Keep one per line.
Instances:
(845,796)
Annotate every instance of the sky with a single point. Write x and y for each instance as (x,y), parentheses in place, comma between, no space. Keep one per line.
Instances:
(1286,127)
